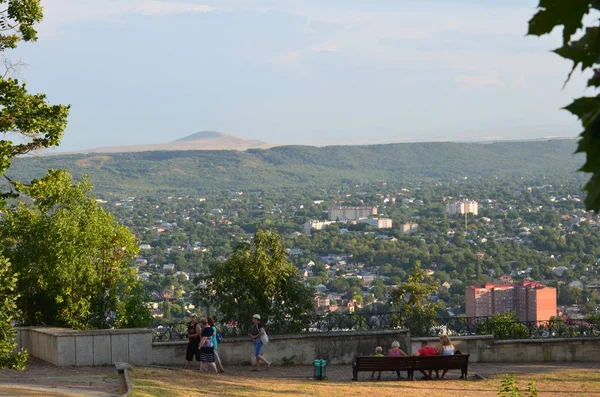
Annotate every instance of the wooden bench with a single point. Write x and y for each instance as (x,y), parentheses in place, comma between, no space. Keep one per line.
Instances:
(411,364)
(440,363)
(371,363)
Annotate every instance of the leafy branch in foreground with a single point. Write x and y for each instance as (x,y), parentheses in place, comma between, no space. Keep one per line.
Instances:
(584,51)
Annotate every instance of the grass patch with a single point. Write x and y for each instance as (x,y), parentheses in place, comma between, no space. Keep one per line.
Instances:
(149,382)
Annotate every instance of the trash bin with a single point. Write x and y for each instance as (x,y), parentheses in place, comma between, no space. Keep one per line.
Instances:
(319,366)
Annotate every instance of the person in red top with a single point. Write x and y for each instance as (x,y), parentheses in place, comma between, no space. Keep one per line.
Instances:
(426,350)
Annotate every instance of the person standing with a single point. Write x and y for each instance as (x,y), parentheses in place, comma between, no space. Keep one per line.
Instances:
(207,356)
(193,333)
(215,341)
(257,332)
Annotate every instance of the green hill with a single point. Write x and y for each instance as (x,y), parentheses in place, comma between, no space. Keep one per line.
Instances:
(305,166)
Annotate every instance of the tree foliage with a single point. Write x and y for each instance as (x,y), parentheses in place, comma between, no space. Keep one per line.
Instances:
(80,276)
(410,299)
(504,325)
(35,124)
(9,312)
(257,278)
(584,51)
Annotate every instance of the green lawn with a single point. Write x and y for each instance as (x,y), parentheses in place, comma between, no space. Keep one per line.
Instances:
(180,383)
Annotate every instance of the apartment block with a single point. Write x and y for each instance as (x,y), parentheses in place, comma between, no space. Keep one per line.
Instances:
(379,223)
(409,228)
(350,213)
(316,225)
(531,300)
(462,207)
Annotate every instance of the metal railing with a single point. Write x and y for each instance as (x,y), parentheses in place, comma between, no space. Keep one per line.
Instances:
(349,322)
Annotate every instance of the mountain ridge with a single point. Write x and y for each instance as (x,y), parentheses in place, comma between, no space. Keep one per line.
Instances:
(203,140)
(306,166)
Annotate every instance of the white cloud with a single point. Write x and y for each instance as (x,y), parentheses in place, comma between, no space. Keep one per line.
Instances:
(60,13)
(155,7)
(287,58)
(479,81)
(328,46)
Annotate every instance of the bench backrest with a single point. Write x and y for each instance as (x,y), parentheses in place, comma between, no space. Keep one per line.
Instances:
(370,363)
(456,361)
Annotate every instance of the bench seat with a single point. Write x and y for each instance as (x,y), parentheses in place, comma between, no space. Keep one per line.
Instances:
(410,364)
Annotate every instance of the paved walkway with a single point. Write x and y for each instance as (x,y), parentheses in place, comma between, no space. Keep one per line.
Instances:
(43,379)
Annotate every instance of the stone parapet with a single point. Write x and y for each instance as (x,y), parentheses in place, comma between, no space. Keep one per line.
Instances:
(335,347)
(66,347)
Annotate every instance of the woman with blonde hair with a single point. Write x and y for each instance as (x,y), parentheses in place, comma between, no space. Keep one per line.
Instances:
(447,349)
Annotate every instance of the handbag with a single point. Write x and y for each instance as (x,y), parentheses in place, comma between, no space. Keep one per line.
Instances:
(220,338)
(264,338)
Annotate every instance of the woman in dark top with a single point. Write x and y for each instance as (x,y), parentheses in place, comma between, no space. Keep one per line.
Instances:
(256,334)
(207,356)
(193,333)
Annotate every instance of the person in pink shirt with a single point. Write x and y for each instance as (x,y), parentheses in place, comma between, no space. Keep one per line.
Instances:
(395,351)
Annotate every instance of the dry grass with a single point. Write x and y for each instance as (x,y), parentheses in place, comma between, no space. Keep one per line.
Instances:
(179,383)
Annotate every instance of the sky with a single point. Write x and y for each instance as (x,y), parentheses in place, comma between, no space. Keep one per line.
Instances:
(314,72)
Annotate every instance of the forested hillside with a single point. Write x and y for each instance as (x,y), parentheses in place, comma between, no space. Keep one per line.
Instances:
(303,166)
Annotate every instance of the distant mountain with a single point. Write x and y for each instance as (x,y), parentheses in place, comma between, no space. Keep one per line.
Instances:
(205,140)
(174,172)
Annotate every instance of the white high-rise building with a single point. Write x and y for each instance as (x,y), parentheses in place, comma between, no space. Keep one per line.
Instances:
(462,207)
(350,213)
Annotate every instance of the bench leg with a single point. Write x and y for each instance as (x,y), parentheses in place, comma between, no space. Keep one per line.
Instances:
(354,372)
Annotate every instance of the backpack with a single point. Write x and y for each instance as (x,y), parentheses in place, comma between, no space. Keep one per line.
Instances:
(264,338)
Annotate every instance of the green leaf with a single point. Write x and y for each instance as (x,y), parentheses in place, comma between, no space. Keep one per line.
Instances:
(583,51)
(585,108)
(595,80)
(554,13)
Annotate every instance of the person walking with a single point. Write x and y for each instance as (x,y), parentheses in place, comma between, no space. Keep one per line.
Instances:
(207,351)
(215,341)
(257,332)
(193,333)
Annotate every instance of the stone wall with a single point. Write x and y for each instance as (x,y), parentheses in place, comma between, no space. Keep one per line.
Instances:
(335,347)
(484,349)
(65,347)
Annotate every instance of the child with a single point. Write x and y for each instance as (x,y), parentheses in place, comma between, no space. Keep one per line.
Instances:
(378,353)
(395,351)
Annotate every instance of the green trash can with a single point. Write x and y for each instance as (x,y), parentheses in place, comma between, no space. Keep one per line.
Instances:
(319,366)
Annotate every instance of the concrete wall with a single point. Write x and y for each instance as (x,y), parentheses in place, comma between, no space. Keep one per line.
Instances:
(483,348)
(65,347)
(335,347)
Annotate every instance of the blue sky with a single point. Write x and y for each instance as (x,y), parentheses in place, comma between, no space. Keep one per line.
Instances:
(299,72)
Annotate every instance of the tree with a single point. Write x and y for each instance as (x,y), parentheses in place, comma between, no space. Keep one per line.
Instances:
(36,125)
(410,299)
(257,278)
(584,51)
(80,276)
(9,312)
